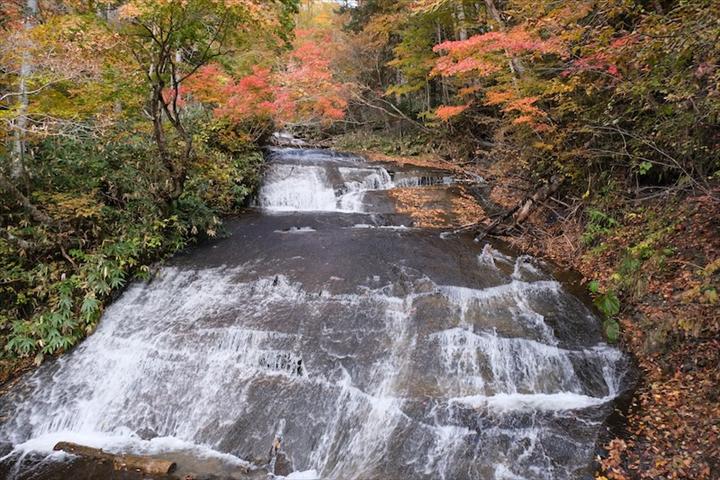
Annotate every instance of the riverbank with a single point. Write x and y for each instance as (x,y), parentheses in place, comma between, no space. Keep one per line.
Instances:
(661,261)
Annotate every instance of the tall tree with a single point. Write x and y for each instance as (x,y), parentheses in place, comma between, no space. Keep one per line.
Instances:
(173,40)
(17,169)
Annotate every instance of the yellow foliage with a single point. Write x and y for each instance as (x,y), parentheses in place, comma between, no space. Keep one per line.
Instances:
(67,206)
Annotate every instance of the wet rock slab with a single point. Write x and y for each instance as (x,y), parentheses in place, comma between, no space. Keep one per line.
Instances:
(371,348)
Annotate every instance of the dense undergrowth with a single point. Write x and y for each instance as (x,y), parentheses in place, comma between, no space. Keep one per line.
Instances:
(109,228)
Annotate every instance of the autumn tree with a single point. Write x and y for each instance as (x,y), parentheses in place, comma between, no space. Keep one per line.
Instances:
(106,192)
(55,87)
(307,92)
(298,87)
(172,40)
(301,91)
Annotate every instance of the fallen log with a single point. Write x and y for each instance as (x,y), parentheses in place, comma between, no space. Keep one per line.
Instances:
(147,465)
(538,197)
(522,210)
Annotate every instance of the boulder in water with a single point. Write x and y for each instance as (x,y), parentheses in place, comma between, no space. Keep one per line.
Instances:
(147,433)
(283,467)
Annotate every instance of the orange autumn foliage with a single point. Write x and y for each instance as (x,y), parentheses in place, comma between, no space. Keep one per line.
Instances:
(446,112)
(303,91)
(488,55)
(307,90)
(476,53)
(251,96)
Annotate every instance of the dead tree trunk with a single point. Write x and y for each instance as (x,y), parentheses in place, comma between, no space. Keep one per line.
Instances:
(522,210)
(147,465)
(542,194)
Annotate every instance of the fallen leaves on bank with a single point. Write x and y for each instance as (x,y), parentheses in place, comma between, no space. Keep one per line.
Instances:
(428,160)
(664,257)
(437,206)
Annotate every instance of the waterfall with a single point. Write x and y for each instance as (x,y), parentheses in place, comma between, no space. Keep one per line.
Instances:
(346,351)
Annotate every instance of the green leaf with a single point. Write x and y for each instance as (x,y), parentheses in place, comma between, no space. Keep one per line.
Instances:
(608,304)
(90,305)
(612,330)
(644,168)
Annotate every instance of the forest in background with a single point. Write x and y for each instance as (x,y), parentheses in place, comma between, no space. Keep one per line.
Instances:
(130,128)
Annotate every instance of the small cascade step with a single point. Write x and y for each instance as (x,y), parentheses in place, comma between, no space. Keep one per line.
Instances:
(307,180)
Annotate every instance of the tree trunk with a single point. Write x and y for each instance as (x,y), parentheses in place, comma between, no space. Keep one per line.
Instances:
(494,12)
(169,108)
(443,86)
(156,114)
(542,194)
(17,167)
(149,466)
(516,65)
(460,15)
(177,170)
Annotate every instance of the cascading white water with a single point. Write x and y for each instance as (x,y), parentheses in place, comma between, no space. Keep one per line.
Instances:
(322,186)
(358,348)
(295,188)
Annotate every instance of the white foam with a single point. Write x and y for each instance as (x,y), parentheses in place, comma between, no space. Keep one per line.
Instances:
(419,181)
(122,441)
(193,352)
(309,188)
(489,364)
(313,155)
(512,297)
(465,294)
(297,188)
(525,269)
(490,255)
(306,475)
(365,226)
(365,179)
(504,402)
(504,473)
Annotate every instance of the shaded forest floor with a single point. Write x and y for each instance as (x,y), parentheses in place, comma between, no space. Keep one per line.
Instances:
(663,260)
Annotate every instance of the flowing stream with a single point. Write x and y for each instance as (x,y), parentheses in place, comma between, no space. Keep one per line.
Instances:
(327,337)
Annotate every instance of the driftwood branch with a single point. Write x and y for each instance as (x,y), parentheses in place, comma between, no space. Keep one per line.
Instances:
(147,465)
(542,194)
(520,212)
